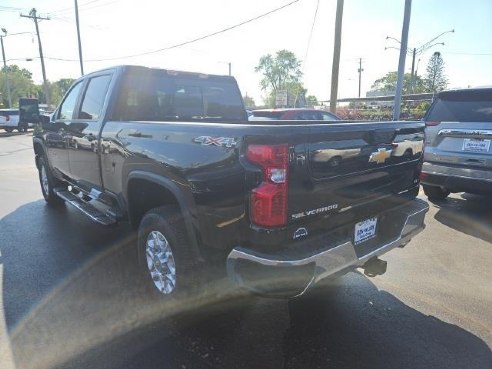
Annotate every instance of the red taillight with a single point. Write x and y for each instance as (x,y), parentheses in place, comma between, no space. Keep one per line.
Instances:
(432,123)
(268,204)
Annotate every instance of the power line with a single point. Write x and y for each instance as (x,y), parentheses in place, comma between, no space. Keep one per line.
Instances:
(63,10)
(199,38)
(311,33)
(182,43)
(476,54)
(10,9)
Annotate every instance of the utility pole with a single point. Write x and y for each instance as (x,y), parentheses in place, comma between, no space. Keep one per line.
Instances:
(336,57)
(33,15)
(360,70)
(412,76)
(5,70)
(401,63)
(230,69)
(78,37)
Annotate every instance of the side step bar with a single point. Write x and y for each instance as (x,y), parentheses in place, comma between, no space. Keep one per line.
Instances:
(86,208)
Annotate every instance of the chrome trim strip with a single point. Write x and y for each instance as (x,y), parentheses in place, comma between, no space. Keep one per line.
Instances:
(478,133)
(430,168)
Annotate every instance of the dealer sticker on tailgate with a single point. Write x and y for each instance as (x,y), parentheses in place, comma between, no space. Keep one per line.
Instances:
(365,230)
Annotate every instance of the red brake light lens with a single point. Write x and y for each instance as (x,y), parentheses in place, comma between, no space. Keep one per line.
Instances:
(268,203)
(267,155)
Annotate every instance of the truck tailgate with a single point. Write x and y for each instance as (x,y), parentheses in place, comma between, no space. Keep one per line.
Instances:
(349,164)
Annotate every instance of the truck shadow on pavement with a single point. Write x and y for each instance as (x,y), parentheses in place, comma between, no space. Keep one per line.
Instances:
(73,299)
(469,214)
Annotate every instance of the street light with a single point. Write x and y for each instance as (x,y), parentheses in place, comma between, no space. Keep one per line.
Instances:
(5,70)
(417,51)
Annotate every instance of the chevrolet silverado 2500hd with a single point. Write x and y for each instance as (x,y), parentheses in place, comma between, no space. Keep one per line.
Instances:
(279,204)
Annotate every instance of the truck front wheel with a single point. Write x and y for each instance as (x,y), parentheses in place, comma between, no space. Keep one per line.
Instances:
(48,183)
(164,253)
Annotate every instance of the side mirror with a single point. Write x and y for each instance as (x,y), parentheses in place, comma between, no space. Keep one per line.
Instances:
(45,121)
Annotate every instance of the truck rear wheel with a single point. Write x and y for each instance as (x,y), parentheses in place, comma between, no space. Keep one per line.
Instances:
(165,256)
(48,183)
(435,192)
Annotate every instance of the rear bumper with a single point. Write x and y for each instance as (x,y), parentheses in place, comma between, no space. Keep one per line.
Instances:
(457,179)
(284,276)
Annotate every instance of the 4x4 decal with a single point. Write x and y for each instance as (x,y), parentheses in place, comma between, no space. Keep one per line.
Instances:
(216,141)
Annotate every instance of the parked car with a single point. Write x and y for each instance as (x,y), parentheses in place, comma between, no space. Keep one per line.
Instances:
(457,147)
(293,114)
(9,120)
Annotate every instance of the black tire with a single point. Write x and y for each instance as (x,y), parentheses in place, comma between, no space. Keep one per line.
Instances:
(50,183)
(9,130)
(168,222)
(435,192)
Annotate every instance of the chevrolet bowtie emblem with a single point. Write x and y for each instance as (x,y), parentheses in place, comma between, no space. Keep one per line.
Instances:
(379,156)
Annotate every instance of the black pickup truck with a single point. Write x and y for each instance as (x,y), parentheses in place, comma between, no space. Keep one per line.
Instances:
(279,205)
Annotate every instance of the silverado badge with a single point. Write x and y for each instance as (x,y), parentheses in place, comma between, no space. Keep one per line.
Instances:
(379,156)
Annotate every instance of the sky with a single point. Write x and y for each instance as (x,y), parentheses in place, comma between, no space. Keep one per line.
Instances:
(118,28)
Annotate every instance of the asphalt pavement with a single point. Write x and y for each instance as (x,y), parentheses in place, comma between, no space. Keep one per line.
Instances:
(71,297)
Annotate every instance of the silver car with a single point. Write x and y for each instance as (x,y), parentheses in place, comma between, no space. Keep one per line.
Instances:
(457,154)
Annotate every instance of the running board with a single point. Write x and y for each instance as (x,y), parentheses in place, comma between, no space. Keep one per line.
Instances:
(86,208)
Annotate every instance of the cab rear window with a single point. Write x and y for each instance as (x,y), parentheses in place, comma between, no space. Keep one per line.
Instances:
(160,96)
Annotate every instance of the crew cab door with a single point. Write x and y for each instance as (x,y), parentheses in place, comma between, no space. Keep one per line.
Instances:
(57,136)
(84,133)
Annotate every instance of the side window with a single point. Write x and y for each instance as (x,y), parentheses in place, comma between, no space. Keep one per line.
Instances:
(325,116)
(94,96)
(68,105)
(307,115)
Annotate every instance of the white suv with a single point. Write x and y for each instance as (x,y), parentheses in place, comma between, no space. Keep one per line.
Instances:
(9,120)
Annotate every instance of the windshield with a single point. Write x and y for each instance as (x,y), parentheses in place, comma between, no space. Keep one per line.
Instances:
(4,113)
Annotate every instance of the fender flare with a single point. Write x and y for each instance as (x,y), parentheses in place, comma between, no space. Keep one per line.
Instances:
(39,142)
(172,187)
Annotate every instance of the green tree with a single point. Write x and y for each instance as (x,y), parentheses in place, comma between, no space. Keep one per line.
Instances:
(56,90)
(20,81)
(64,84)
(249,102)
(388,84)
(311,100)
(436,79)
(278,70)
